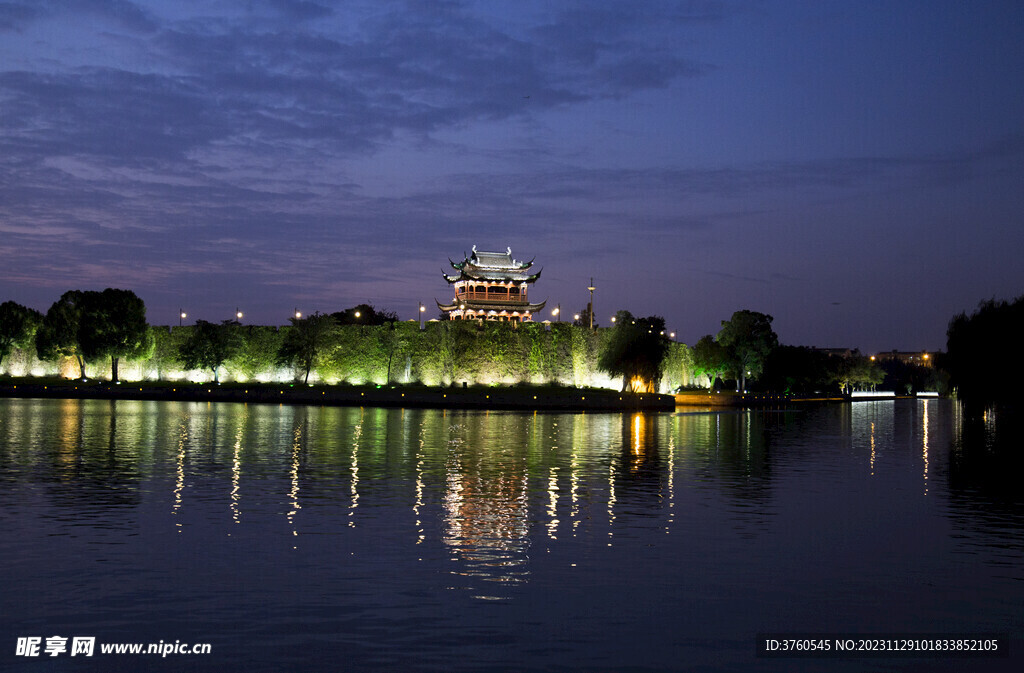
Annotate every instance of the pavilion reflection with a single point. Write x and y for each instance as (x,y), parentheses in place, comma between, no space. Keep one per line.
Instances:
(486,507)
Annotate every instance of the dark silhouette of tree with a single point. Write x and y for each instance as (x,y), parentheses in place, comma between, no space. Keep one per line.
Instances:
(974,343)
(210,345)
(636,351)
(18,325)
(710,359)
(799,369)
(305,341)
(364,314)
(113,324)
(748,337)
(58,334)
(584,319)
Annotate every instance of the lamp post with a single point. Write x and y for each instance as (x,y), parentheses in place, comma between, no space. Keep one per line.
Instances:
(181,316)
(422,311)
(298,314)
(238,314)
(557,312)
(591,304)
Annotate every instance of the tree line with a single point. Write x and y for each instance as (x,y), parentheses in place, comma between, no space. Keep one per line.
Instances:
(363,343)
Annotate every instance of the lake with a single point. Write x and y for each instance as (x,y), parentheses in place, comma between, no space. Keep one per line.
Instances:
(294,538)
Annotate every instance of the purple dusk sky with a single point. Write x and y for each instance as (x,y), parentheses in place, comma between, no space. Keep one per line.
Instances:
(855,169)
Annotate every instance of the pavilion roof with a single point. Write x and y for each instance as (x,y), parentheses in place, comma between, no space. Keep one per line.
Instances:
(493,266)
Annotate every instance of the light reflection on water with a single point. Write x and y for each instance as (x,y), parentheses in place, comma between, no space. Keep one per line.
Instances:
(427,539)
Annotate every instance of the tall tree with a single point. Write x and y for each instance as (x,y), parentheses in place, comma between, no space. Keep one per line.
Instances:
(18,325)
(636,351)
(976,344)
(58,334)
(113,324)
(748,337)
(305,341)
(710,359)
(210,345)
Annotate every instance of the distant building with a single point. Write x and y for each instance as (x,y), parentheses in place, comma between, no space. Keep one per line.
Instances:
(491,286)
(838,352)
(919,358)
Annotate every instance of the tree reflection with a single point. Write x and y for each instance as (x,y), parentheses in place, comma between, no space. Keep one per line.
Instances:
(985,464)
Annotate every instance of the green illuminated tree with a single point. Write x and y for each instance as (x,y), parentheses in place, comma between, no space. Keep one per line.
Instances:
(857,371)
(710,359)
(211,345)
(58,334)
(113,324)
(306,341)
(748,338)
(635,351)
(18,325)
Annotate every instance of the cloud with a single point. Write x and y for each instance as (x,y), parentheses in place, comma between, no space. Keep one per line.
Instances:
(16,16)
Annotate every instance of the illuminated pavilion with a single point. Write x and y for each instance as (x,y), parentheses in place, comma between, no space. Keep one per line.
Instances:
(491,286)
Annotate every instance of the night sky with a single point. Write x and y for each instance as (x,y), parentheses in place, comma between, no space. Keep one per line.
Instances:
(855,169)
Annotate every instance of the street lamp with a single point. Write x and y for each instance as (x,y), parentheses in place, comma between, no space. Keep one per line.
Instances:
(181,316)
(557,313)
(358,314)
(591,304)
(422,311)
(613,318)
(238,314)
(298,314)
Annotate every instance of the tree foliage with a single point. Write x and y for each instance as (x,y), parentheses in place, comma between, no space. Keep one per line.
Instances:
(58,334)
(306,341)
(364,314)
(636,351)
(856,372)
(584,317)
(710,359)
(210,345)
(113,324)
(748,338)
(18,325)
(972,341)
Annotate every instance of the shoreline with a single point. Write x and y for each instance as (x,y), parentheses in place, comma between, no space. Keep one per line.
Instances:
(524,398)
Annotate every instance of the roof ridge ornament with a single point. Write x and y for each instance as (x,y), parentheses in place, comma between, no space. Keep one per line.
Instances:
(508,251)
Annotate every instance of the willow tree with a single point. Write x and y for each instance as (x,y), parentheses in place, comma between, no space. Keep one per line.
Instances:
(306,341)
(636,352)
(18,325)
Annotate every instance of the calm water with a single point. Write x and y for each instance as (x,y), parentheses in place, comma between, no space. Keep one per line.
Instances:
(295,538)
